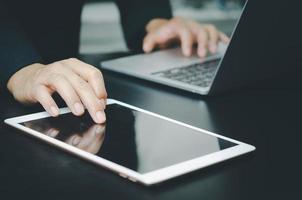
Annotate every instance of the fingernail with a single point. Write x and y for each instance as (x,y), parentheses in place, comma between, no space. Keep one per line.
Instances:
(53,133)
(213,48)
(79,109)
(146,48)
(76,140)
(99,130)
(54,111)
(100,116)
(202,53)
(187,51)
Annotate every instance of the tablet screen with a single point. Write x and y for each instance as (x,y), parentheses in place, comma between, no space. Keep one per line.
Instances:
(131,138)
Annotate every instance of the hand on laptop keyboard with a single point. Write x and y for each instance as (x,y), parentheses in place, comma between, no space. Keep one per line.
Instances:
(161,33)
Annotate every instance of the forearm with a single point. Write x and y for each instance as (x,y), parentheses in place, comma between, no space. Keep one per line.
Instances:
(16,51)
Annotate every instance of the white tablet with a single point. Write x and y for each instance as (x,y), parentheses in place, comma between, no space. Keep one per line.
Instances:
(137,144)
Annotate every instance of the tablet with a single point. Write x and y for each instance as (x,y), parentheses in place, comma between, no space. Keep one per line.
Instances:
(137,144)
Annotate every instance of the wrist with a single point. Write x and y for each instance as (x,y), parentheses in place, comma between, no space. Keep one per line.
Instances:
(20,78)
(155,24)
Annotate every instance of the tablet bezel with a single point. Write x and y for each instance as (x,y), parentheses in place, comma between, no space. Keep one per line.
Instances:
(149,178)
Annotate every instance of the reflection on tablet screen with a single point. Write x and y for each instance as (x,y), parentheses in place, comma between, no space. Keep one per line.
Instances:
(131,138)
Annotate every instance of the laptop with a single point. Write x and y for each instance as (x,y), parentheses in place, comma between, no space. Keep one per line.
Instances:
(242,63)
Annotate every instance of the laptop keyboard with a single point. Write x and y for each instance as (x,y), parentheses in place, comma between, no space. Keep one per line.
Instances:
(197,74)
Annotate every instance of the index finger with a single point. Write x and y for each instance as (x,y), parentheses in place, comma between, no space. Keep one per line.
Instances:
(224,38)
(90,74)
(186,38)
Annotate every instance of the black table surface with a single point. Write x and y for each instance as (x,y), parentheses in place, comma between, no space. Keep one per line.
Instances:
(267,119)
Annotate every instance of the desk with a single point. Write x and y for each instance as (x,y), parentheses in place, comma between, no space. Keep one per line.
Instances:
(268,119)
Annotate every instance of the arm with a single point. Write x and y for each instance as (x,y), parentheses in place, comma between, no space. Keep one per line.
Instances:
(21,69)
(16,51)
(148,24)
(136,14)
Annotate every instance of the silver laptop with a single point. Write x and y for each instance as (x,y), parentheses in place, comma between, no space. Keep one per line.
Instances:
(234,66)
(171,68)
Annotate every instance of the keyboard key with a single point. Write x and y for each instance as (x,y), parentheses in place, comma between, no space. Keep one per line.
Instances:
(198,74)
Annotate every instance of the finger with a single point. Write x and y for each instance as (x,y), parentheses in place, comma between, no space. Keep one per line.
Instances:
(67,92)
(74,140)
(213,35)
(88,138)
(149,42)
(89,73)
(158,38)
(224,38)
(94,105)
(186,39)
(52,132)
(43,96)
(202,40)
(96,143)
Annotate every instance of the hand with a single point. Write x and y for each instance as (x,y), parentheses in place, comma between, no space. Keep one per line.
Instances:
(76,82)
(162,33)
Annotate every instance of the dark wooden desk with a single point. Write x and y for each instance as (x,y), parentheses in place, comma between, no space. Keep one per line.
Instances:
(268,119)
